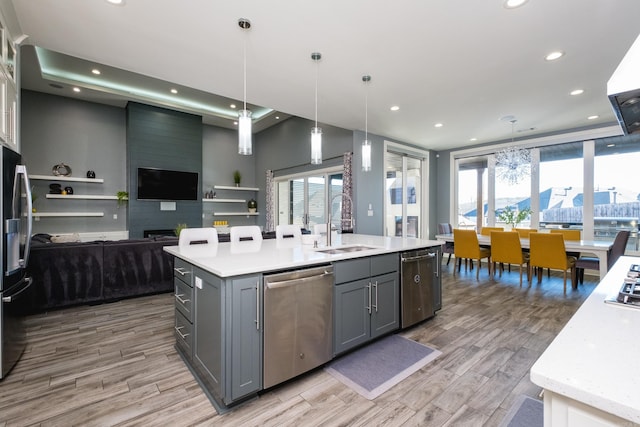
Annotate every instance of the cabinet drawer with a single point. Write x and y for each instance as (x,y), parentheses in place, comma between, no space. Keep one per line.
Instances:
(183,271)
(381,264)
(184,335)
(354,269)
(184,298)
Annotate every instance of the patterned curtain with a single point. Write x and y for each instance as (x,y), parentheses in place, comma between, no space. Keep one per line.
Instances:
(270,205)
(347,188)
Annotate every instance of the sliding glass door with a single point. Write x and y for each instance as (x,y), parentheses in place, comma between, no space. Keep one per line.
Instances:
(404,195)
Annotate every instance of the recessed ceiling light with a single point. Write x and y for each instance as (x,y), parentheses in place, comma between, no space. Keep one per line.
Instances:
(235,123)
(512,4)
(76,89)
(232,105)
(576,92)
(394,108)
(277,117)
(611,145)
(438,125)
(174,91)
(554,55)
(592,117)
(116,2)
(473,139)
(95,71)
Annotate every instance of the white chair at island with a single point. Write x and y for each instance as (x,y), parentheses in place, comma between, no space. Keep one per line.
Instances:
(245,232)
(190,235)
(288,231)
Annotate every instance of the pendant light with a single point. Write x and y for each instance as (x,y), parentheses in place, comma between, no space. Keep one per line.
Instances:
(316,132)
(366,144)
(244,115)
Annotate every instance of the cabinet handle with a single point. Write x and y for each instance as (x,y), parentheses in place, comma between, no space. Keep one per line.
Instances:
(369,303)
(183,336)
(375,285)
(257,305)
(181,271)
(182,301)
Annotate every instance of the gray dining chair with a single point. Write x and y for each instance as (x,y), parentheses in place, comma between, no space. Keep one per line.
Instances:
(593,263)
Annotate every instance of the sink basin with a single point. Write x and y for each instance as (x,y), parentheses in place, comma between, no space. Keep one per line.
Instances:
(356,248)
(346,249)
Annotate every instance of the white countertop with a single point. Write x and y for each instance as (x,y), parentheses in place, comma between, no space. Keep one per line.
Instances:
(592,360)
(235,259)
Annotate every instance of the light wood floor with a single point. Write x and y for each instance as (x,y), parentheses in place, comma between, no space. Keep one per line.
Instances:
(114,364)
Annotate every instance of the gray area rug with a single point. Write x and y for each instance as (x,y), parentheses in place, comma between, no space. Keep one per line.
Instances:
(376,368)
(525,412)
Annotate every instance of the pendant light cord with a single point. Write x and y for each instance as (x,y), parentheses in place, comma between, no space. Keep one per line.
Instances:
(366,112)
(316,118)
(244,70)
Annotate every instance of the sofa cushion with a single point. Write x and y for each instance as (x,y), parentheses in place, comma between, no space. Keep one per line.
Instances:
(65,274)
(137,267)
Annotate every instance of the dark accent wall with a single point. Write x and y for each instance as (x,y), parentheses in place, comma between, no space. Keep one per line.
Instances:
(161,138)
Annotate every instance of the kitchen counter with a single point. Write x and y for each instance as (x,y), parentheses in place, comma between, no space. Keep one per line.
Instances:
(248,257)
(588,372)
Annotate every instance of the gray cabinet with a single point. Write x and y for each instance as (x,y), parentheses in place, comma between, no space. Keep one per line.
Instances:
(366,300)
(227,348)
(183,288)
(246,336)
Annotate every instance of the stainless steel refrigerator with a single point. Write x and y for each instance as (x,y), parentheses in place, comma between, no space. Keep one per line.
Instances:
(15,206)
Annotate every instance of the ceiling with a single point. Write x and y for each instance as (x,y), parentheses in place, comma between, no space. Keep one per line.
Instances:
(471,65)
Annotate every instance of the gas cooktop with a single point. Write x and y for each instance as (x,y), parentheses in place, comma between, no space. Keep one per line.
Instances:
(629,294)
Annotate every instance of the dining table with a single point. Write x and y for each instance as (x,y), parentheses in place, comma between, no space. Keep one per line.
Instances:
(599,248)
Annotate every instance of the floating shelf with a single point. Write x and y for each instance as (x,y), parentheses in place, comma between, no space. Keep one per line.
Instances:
(81,196)
(67,214)
(235,214)
(230,187)
(66,178)
(224,201)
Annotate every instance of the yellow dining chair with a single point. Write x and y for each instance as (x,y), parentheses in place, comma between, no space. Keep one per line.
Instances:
(569,234)
(506,248)
(465,245)
(546,250)
(486,231)
(524,232)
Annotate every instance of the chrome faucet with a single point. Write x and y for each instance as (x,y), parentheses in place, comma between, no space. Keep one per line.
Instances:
(341,220)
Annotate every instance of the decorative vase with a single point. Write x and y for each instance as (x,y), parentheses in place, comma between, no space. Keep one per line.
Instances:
(252,205)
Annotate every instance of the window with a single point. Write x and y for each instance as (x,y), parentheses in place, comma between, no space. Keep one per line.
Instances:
(561,173)
(616,204)
(588,184)
(302,199)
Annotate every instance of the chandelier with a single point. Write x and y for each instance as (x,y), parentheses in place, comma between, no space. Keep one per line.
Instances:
(513,164)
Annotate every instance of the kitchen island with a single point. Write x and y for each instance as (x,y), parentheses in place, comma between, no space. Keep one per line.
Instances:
(220,301)
(588,372)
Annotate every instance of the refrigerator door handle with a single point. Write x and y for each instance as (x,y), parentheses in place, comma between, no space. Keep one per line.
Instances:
(21,170)
(10,298)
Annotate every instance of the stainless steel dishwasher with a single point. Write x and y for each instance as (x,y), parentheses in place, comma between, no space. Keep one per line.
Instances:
(298,322)
(420,292)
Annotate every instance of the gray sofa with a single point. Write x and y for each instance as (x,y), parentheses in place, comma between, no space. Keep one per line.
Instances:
(67,274)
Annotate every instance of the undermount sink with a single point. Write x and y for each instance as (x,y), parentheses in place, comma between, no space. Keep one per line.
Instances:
(346,249)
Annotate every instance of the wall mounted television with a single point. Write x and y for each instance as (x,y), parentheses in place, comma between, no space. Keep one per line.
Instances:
(163,184)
